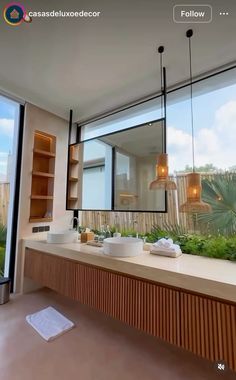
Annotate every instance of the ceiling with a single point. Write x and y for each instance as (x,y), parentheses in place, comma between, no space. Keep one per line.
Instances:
(94,65)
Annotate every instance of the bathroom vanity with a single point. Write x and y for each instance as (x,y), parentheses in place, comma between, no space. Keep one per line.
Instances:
(189,301)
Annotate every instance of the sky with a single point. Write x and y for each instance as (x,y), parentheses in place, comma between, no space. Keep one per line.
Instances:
(214,126)
(8,114)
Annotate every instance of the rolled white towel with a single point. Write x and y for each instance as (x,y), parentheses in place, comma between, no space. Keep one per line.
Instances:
(166,245)
(177,248)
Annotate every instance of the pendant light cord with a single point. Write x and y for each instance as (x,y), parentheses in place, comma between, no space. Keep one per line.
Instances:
(191,100)
(161,68)
(160,51)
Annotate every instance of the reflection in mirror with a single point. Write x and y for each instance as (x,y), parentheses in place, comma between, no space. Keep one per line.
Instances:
(116,169)
(136,151)
(96,176)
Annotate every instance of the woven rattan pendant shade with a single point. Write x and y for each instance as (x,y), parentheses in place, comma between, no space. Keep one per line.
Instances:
(162,180)
(194,202)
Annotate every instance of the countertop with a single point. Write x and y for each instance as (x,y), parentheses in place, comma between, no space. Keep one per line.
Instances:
(204,275)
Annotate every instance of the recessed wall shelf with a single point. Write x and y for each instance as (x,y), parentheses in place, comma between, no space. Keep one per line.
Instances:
(73,161)
(43,172)
(43,197)
(73,186)
(73,179)
(43,153)
(38,220)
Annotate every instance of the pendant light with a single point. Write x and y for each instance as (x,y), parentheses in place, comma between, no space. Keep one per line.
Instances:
(194,203)
(162,181)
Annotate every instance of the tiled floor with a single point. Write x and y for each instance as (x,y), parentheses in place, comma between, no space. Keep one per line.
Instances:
(99,348)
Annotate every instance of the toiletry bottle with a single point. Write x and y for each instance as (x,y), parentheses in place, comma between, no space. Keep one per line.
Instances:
(108,232)
(102,234)
(117,234)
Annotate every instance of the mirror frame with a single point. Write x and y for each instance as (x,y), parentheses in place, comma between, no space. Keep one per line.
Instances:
(79,141)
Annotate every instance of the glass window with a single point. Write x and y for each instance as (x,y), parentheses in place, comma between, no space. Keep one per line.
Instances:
(214,123)
(9,114)
(214,126)
(131,117)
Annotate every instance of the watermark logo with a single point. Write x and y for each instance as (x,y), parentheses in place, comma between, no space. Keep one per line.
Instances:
(14,14)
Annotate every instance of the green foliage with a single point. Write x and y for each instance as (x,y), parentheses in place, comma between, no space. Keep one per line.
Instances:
(3,237)
(215,246)
(168,231)
(2,259)
(219,247)
(193,244)
(220,193)
(3,234)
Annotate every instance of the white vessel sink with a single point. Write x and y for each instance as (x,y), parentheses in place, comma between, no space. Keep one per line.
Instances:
(123,246)
(62,237)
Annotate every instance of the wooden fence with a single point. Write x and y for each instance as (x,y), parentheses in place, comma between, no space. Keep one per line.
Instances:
(4,202)
(145,221)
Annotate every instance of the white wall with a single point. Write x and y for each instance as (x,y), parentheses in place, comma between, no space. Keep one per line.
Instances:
(38,119)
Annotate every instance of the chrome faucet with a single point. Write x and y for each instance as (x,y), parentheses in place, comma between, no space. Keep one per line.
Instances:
(72,223)
(135,226)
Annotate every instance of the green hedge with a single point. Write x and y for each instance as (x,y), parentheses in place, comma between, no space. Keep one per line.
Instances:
(215,246)
(2,259)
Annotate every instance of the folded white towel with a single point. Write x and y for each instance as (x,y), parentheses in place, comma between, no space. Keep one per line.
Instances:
(166,245)
(175,248)
(167,253)
(49,323)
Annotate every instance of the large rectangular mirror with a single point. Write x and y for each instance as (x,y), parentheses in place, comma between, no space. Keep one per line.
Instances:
(114,171)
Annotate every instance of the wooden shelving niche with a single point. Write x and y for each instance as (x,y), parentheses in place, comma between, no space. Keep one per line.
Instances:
(43,171)
(73,180)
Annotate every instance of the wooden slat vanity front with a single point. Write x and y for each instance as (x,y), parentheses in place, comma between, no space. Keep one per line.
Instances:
(199,323)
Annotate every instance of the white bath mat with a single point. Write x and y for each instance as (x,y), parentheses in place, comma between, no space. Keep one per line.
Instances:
(49,323)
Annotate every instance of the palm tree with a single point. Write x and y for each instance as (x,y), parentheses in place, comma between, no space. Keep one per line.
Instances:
(220,193)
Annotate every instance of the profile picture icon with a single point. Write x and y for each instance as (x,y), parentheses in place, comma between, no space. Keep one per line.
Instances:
(14,14)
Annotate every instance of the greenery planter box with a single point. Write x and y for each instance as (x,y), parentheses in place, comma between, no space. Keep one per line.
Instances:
(218,247)
(215,246)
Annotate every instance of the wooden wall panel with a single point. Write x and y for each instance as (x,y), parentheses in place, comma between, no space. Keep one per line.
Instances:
(208,328)
(146,306)
(204,326)
(34,266)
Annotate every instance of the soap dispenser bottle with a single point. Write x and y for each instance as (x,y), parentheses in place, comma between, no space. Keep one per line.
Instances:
(102,234)
(108,232)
